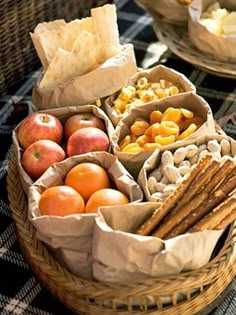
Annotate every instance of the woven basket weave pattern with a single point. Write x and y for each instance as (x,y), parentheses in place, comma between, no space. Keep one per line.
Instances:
(199,287)
(19,17)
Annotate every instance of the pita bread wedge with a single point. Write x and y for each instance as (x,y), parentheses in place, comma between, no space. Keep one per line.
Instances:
(67,65)
(48,42)
(49,26)
(105,19)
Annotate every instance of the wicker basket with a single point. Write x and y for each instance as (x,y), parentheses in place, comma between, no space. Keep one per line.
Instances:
(199,288)
(19,17)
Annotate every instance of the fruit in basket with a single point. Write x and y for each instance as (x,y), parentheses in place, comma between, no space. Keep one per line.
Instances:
(105,197)
(160,129)
(82,120)
(40,155)
(39,126)
(61,201)
(87,139)
(86,178)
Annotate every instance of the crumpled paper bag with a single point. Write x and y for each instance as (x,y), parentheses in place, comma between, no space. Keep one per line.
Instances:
(154,75)
(171,11)
(119,255)
(71,237)
(62,114)
(188,100)
(103,81)
(154,161)
(222,47)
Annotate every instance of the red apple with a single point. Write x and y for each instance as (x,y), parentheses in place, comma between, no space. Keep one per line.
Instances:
(38,126)
(82,120)
(40,155)
(87,140)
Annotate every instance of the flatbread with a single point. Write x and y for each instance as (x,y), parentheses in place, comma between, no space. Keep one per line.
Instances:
(105,20)
(49,26)
(48,42)
(67,65)
(69,50)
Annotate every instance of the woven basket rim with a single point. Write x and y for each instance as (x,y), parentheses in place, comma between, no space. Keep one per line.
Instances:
(67,286)
(176,38)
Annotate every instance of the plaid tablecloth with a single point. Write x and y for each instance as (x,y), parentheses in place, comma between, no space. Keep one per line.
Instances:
(20,292)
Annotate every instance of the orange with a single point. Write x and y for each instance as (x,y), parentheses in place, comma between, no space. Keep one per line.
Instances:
(105,197)
(61,201)
(86,178)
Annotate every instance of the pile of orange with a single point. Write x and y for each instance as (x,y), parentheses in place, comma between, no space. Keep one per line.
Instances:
(86,187)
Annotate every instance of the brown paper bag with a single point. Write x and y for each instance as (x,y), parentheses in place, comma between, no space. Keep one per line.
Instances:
(222,47)
(155,164)
(71,237)
(188,100)
(154,74)
(103,81)
(62,114)
(171,11)
(119,255)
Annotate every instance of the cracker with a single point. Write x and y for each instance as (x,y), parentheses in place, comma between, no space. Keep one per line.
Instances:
(166,227)
(219,217)
(106,29)
(213,197)
(173,198)
(49,26)
(68,65)
(199,182)
(63,37)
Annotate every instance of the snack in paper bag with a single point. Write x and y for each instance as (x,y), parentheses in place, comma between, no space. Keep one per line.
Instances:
(219,21)
(70,237)
(71,50)
(210,186)
(65,65)
(48,37)
(212,28)
(154,126)
(145,86)
(163,171)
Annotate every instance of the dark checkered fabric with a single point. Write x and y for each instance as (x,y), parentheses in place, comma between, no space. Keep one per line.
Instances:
(20,292)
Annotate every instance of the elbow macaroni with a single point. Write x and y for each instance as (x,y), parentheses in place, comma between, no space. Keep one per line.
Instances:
(143,91)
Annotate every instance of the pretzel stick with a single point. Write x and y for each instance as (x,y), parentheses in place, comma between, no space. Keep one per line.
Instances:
(216,216)
(167,226)
(227,167)
(171,200)
(185,226)
(196,186)
(226,221)
(218,181)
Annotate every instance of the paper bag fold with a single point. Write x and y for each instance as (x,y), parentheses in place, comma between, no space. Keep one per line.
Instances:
(105,80)
(154,161)
(121,256)
(71,237)
(221,47)
(188,100)
(62,114)
(154,74)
